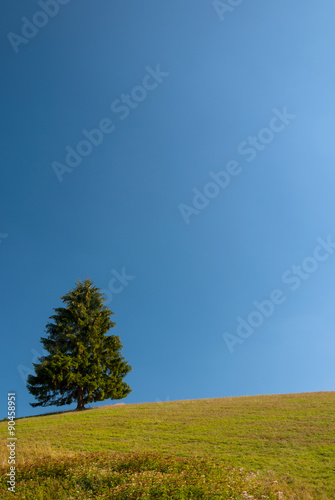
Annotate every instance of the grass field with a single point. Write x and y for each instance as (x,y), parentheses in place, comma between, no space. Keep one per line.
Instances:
(243,446)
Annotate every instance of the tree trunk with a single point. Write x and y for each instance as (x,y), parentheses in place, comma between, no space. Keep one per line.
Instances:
(80,401)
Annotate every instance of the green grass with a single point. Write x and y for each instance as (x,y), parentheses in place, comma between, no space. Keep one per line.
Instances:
(145,476)
(287,438)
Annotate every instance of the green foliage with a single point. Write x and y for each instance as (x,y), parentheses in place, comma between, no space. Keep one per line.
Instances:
(83,364)
(292,435)
(138,475)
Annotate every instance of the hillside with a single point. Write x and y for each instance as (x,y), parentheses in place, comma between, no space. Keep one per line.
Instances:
(289,438)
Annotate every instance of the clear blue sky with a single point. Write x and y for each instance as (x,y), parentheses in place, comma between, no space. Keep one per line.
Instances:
(181,91)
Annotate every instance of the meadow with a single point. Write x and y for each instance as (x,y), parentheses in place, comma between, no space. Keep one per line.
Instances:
(255,447)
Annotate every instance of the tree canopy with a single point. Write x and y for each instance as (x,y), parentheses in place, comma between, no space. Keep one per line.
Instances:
(84,364)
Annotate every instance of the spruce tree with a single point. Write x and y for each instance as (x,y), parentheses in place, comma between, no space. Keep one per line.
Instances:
(83,364)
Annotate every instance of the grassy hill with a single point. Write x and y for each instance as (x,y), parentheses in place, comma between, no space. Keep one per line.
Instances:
(252,447)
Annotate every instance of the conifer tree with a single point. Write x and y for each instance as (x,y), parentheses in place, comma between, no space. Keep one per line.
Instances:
(83,364)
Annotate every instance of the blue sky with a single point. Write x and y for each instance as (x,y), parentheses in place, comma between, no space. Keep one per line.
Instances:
(244,94)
